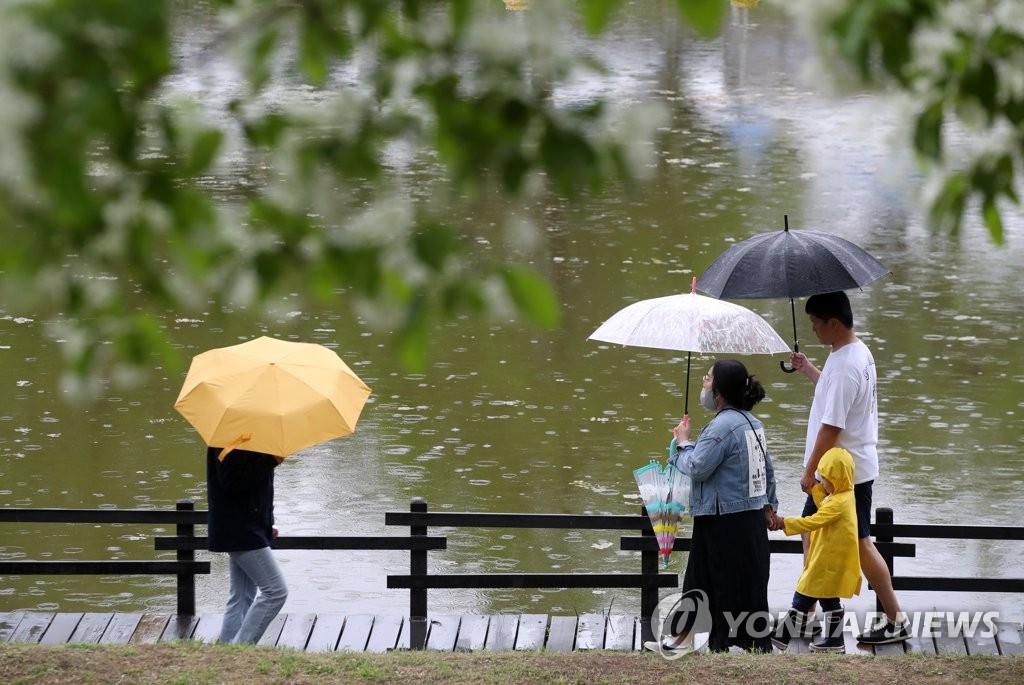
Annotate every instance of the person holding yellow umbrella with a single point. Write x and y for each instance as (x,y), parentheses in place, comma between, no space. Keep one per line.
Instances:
(241,501)
(254,404)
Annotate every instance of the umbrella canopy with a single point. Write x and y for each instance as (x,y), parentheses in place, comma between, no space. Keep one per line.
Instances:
(275,396)
(790,264)
(691,323)
(665,491)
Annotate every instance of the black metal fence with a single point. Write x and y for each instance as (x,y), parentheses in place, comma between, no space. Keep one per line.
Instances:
(649,580)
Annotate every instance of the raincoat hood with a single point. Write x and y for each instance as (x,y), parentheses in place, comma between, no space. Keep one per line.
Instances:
(837,466)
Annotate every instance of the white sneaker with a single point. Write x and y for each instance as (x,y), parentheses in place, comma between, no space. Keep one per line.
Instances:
(670,649)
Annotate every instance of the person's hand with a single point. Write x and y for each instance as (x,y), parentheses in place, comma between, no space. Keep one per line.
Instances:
(682,431)
(797,360)
(780,522)
(274,532)
(807,482)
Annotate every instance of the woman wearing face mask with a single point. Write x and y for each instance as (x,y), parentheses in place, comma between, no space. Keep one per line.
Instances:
(733,504)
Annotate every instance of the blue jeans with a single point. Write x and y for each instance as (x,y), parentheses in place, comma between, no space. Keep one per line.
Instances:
(804,604)
(248,615)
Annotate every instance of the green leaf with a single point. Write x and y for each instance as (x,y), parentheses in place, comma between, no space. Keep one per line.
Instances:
(434,244)
(947,209)
(928,131)
(204,151)
(532,295)
(994,221)
(703,15)
(463,296)
(597,14)
(314,53)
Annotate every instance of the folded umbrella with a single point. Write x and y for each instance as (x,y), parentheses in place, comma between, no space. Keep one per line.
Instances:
(665,491)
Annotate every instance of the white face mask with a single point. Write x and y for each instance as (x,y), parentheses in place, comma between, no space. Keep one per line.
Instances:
(707,399)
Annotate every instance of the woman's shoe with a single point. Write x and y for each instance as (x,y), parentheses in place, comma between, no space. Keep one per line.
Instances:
(669,648)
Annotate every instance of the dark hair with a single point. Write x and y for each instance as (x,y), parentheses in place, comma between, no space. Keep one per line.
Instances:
(731,380)
(831,306)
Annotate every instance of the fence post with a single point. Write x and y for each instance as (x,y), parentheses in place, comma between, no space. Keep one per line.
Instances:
(418,596)
(649,592)
(883,516)
(186,581)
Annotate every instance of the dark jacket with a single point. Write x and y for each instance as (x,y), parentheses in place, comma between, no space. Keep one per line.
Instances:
(241,499)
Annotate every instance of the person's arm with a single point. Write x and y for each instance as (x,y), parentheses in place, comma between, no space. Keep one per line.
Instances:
(828,436)
(799,362)
(699,461)
(829,512)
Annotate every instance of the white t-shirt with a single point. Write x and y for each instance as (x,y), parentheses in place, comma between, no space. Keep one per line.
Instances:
(845,397)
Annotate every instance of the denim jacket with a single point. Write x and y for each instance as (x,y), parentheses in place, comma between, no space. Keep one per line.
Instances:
(719,466)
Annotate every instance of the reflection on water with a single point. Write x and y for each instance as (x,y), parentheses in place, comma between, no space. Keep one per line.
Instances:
(512,419)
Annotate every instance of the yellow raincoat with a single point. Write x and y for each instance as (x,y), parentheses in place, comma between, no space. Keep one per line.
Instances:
(832,568)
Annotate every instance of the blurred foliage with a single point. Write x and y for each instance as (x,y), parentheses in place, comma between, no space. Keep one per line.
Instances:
(113,198)
(962,63)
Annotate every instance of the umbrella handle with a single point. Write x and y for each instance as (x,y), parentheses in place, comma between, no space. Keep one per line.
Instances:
(796,348)
(792,311)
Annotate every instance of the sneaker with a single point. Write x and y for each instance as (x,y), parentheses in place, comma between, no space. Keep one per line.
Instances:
(885,632)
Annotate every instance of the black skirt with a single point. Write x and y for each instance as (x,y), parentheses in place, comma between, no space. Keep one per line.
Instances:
(730,563)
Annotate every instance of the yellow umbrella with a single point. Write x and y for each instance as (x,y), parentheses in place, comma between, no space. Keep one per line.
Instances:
(274,396)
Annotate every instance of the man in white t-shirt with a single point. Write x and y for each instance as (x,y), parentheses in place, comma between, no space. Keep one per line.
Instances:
(844,413)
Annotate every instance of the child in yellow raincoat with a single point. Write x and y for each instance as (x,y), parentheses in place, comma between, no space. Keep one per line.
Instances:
(832,569)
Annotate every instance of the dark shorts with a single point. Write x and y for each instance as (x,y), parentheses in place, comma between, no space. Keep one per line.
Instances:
(862,495)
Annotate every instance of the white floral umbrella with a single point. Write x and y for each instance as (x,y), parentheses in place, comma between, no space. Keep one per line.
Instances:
(691,323)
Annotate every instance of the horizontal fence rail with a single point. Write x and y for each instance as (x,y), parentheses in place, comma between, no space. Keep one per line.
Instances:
(144,516)
(183,517)
(885,530)
(345,542)
(418,520)
(468,519)
(643,543)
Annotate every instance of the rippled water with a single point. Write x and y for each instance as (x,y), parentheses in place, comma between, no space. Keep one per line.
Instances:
(508,418)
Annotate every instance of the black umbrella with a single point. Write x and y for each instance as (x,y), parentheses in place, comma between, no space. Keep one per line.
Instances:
(789,264)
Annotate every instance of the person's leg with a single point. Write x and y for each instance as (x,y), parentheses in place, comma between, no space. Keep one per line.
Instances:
(744,571)
(803,603)
(877,573)
(809,510)
(262,568)
(871,562)
(831,604)
(241,593)
(893,628)
(678,629)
